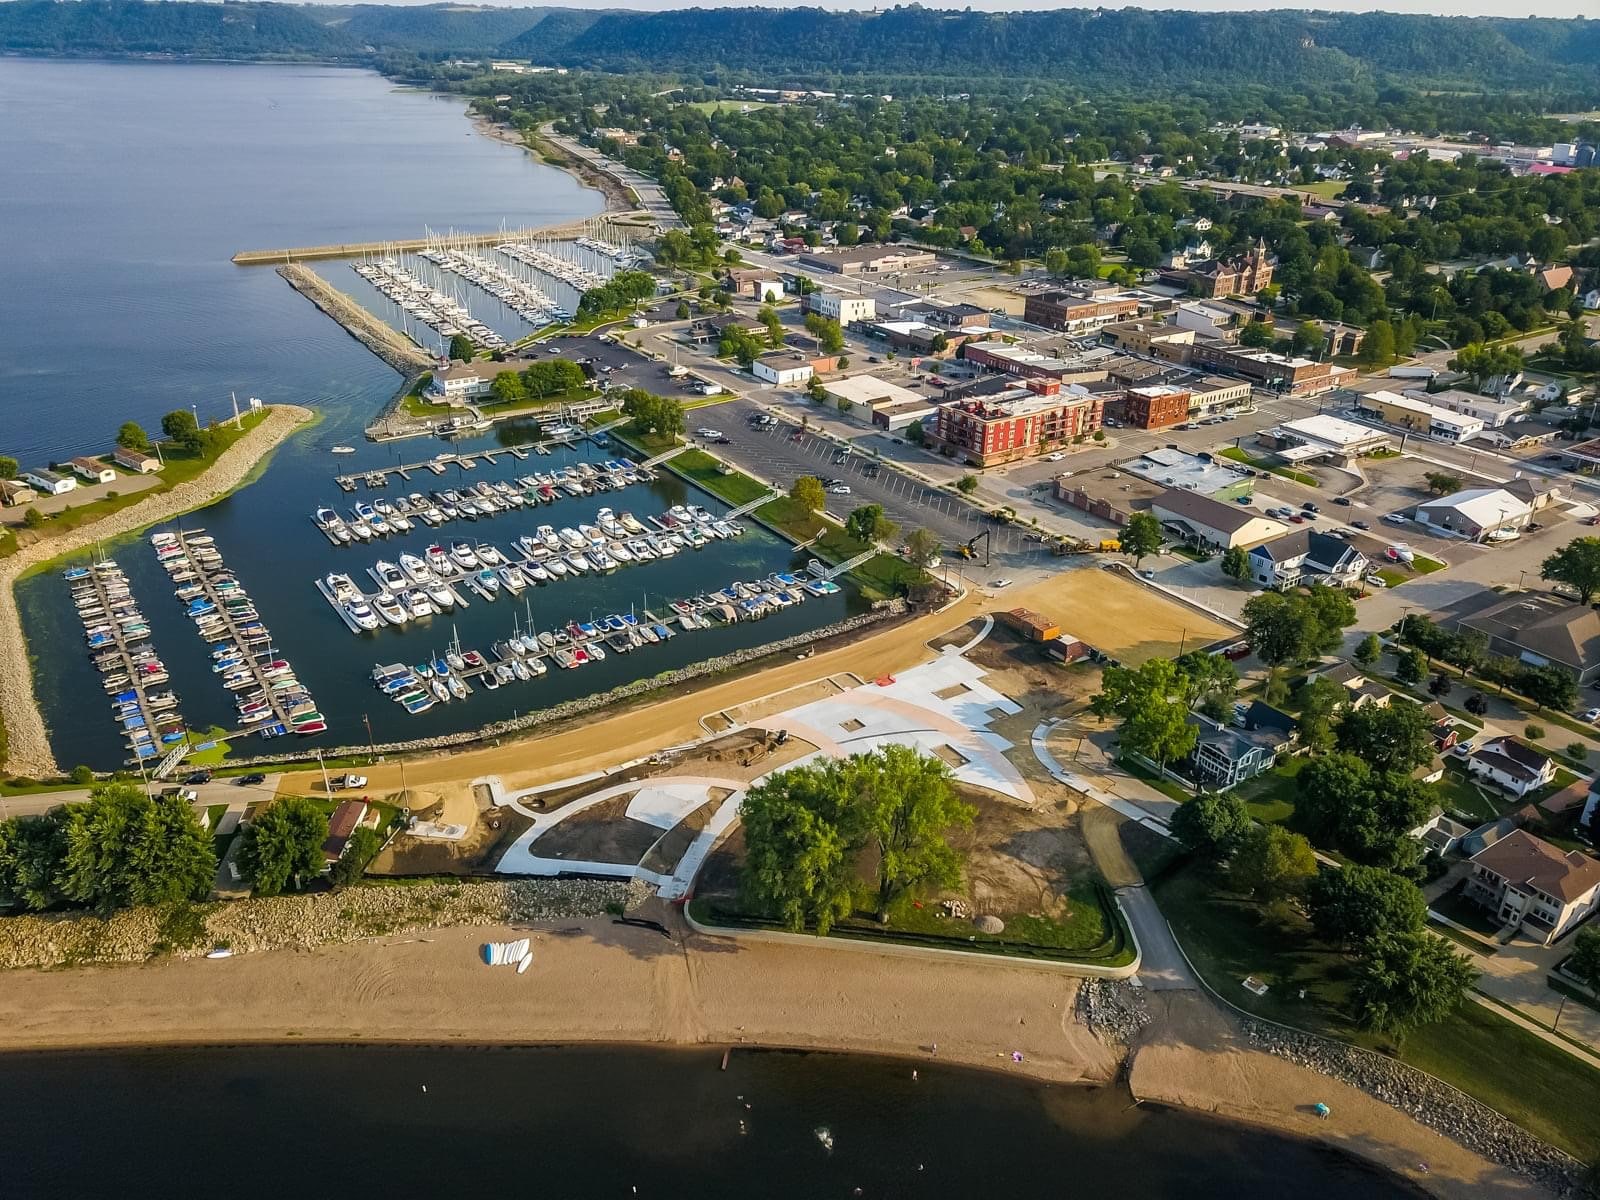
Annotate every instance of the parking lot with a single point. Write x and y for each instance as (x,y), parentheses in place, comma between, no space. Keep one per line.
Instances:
(781,453)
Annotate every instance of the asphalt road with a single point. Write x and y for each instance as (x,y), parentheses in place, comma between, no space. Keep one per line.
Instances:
(783,453)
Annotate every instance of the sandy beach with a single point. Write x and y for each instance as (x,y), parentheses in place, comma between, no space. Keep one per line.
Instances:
(28,748)
(700,990)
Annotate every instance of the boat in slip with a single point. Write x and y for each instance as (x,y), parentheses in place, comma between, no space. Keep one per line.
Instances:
(389,608)
(441,596)
(464,556)
(438,559)
(511,579)
(418,605)
(415,568)
(391,576)
(361,613)
(458,687)
(490,556)
(578,563)
(343,588)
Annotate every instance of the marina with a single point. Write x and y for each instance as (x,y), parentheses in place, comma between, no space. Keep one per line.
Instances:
(447,315)
(559,434)
(528,654)
(268,699)
(421,586)
(118,636)
(400,514)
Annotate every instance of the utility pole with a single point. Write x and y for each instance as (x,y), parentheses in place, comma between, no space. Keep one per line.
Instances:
(326,786)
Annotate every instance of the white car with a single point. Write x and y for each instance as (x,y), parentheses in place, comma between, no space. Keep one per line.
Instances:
(1394,518)
(997,584)
(1592,715)
(1056,457)
(1376,581)
(839,489)
(708,433)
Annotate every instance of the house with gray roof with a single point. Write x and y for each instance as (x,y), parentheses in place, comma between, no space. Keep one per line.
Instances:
(1541,629)
(1306,556)
(1225,756)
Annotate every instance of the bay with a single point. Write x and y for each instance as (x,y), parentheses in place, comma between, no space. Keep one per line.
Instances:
(613,1122)
(136,184)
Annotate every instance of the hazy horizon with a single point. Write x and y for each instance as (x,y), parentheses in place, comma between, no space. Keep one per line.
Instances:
(1447,8)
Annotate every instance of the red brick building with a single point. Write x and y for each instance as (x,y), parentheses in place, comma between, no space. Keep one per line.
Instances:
(1156,406)
(1079,310)
(1015,424)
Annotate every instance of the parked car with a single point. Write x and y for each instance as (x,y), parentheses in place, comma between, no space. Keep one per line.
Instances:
(1056,456)
(1376,581)
(708,433)
(997,584)
(1394,518)
(1359,525)
(198,777)
(250,780)
(1464,748)
(1309,507)
(839,489)
(346,783)
(1592,715)
(1345,500)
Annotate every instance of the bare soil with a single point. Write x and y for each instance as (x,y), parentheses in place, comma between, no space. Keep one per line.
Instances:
(600,833)
(477,853)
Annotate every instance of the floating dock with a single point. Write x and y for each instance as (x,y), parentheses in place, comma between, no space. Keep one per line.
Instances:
(269,699)
(468,460)
(292,254)
(118,640)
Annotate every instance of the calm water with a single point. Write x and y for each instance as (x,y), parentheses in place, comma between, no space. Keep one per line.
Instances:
(127,187)
(581,1123)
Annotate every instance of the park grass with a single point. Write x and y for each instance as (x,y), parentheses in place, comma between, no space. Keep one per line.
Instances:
(1227,938)
(713,107)
(709,473)
(182,466)
(1326,189)
(1240,455)
(886,575)
(491,409)
(1459,796)
(1270,796)
(213,756)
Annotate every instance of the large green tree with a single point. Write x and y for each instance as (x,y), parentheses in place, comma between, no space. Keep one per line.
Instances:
(359,851)
(131,436)
(1296,627)
(1585,960)
(1356,902)
(122,848)
(866,523)
(808,492)
(1212,824)
(181,427)
(910,809)
(1390,737)
(1152,702)
(462,348)
(282,846)
(1577,564)
(1408,979)
(31,853)
(1364,814)
(1141,536)
(1273,863)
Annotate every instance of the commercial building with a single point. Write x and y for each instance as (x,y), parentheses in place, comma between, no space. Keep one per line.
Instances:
(1081,308)
(1419,416)
(1306,556)
(785,368)
(1155,339)
(1279,372)
(1209,393)
(1543,890)
(1217,478)
(843,309)
(1018,423)
(1155,406)
(753,284)
(1476,513)
(1541,629)
(1208,319)
(1031,363)
(874,259)
(1322,438)
(1493,411)
(461,382)
(1210,524)
(878,402)
(1240,275)
(1109,495)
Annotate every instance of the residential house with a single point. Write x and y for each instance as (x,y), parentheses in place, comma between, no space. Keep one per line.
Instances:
(1224,756)
(1306,556)
(1541,629)
(1556,277)
(1511,765)
(47,482)
(1440,834)
(753,284)
(92,470)
(1540,889)
(346,818)
(1360,691)
(461,382)
(14,492)
(136,461)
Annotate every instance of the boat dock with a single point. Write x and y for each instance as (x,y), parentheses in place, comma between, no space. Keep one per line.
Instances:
(399,514)
(269,699)
(588,227)
(527,655)
(378,477)
(118,640)
(378,336)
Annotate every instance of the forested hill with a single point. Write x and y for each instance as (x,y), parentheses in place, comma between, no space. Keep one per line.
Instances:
(1129,48)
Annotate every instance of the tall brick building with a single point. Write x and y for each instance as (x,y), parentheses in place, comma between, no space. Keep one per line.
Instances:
(1242,275)
(1081,308)
(1018,423)
(1156,406)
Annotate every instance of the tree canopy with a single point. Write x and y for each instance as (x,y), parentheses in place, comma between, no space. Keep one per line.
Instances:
(1141,536)
(1577,564)
(282,846)
(1355,902)
(1408,979)
(808,492)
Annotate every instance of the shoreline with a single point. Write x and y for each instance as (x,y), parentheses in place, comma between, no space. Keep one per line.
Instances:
(616,196)
(698,991)
(28,749)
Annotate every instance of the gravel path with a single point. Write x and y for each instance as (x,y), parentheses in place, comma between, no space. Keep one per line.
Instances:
(28,750)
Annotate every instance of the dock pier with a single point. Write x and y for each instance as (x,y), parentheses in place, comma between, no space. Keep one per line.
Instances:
(296,254)
(383,340)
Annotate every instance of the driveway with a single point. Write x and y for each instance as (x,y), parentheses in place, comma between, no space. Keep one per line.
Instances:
(1516,975)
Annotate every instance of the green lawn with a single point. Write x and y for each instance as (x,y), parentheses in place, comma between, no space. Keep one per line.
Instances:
(1460,797)
(886,575)
(1270,796)
(1167,787)
(1541,1088)
(1261,464)
(534,403)
(735,487)
(1423,565)
(1392,577)
(1327,189)
(181,467)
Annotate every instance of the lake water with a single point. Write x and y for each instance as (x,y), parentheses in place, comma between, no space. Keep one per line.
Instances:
(127,188)
(582,1123)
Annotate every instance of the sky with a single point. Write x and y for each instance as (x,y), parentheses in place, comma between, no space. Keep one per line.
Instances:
(1448,8)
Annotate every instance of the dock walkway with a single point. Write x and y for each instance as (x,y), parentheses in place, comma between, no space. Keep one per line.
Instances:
(294,254)
(118,638)
(269,699)
(378,477)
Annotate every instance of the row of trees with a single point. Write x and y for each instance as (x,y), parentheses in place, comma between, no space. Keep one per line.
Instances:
(661,415)
(1547,686)
(871,830)
(547,377)
(616,296)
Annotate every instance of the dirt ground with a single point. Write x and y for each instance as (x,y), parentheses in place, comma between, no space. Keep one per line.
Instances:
(600,833)
(488,837)
(1110,612)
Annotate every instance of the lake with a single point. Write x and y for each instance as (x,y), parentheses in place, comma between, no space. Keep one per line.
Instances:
(598,1122)
(128,188)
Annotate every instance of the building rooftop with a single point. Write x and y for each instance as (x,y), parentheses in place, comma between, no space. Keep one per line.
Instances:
(869,389)
(1202,510)
(1017,402)
(1482,506)
(1332,431)
(1529,862)
(1544,624)
(1187,472)
(1457,396)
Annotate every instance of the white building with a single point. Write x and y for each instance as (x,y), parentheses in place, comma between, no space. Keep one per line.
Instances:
(47,482)
(1203,318)
(1476,513)
(840,308)
(1325,436)
(460,382)
(1493,411)
(1419,416)
(781,368)
(92,470)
